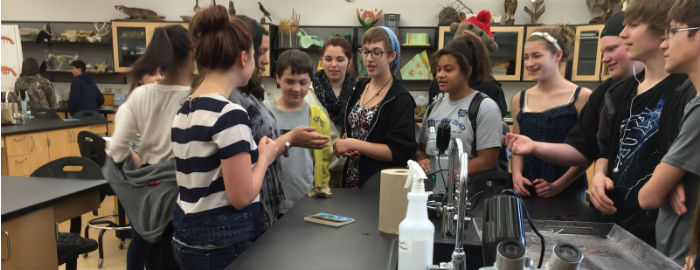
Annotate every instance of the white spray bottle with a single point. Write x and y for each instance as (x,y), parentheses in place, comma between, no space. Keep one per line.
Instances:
(416,232)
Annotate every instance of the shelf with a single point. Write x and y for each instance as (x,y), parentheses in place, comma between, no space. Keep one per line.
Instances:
(68,43)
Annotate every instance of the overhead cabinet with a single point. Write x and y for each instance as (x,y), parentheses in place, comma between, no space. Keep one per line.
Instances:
(130,40)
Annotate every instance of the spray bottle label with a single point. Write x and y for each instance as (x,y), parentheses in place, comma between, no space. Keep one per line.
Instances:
(415,254)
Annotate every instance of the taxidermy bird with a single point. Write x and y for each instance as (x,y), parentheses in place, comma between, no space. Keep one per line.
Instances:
(510,7)
(607,9)
(196,6)
(139,13)
(264,11)
(231,9)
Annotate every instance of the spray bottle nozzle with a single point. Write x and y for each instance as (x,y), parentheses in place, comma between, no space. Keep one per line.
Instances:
(416,175)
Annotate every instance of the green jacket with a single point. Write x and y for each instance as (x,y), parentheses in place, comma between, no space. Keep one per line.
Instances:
(322,157)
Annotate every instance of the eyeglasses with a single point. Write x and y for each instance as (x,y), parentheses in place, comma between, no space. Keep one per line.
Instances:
(376,53)
(670,31)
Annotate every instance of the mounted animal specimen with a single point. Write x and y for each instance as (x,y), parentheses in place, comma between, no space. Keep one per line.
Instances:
(139,13)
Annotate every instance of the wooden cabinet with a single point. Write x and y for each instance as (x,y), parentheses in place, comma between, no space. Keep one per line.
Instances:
(130,40)
(587,65)
(24,153)
(506,61)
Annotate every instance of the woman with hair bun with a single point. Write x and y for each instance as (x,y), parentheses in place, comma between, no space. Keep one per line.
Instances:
(220,168)
(546,112)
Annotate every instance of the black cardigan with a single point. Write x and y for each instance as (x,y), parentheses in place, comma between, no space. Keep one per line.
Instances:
(393,125)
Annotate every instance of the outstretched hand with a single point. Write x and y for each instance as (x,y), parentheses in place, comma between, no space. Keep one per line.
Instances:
(306,137)
(519,144)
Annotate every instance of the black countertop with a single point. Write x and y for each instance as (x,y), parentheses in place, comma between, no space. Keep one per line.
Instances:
(103,109)
(293,243)
(37,125)
(22,195)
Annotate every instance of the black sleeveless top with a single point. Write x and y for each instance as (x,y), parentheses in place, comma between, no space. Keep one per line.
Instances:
(549,126)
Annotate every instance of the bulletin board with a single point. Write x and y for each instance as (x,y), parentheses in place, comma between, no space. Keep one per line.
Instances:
(11,56)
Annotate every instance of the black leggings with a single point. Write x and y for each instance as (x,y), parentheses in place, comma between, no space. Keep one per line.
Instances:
(153,256)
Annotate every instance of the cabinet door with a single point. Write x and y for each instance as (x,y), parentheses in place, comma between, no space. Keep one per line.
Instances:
(75,149)
(98,129)
(129,42)
(506,61)
(587,54)
(29,241)
(59,144)
(40,151)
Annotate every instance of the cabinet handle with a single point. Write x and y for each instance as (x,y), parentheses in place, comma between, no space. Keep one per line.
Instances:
(21,160)
(19,138)
(33,143)
(9,247)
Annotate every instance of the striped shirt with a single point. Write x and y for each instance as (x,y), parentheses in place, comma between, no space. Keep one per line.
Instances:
(206,130)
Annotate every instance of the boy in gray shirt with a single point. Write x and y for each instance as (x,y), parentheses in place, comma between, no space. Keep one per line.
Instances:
(673,188)
(303,168)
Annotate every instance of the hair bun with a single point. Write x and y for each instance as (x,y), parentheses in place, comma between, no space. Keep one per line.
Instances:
(212,19)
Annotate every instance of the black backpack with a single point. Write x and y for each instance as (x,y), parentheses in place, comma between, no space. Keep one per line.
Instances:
(473,111)
(488,183)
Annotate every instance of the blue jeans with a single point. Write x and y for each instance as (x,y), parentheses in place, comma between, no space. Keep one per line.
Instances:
(212,259)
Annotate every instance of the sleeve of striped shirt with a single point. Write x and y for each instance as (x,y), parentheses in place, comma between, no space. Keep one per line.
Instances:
(233,135)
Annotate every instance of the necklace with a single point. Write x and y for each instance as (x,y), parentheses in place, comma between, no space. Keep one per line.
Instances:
(372,98)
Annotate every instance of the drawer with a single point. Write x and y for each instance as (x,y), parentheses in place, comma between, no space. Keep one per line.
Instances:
(19,144)
(19,165)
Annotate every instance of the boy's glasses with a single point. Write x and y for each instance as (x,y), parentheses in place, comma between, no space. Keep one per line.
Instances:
(376,53)
(670,31)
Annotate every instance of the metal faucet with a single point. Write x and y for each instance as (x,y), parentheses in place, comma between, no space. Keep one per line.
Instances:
(448,209)
(460,177)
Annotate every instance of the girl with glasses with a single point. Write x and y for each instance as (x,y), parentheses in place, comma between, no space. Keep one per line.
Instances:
(379,122)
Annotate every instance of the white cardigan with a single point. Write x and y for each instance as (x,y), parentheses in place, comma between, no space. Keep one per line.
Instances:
(149,111)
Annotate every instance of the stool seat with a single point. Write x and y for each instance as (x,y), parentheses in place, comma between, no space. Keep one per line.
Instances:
(70,245)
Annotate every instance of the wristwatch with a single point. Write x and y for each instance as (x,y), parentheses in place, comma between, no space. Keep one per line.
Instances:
(287,146)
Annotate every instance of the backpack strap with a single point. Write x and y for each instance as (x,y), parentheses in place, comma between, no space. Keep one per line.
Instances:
(473,112)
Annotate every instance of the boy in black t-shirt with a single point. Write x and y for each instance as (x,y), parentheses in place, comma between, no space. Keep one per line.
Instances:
(639,121)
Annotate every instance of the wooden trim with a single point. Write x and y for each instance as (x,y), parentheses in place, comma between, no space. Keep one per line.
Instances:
(441,36)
